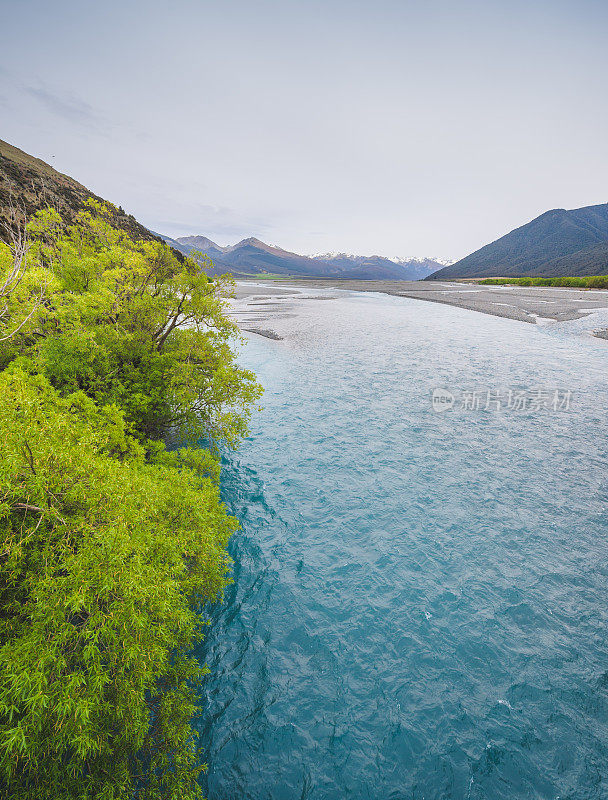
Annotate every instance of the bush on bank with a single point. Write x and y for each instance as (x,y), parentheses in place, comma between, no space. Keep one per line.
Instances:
(588,282)
(109,544)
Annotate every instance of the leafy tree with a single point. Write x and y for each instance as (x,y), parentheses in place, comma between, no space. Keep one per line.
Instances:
(109,544)
(130,323)
(105,563)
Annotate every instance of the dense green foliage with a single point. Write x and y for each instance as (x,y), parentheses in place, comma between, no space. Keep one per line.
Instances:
(128,323)
(591,282)
(110,545)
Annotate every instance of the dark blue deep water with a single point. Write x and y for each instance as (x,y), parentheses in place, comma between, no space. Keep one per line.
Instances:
(420,599)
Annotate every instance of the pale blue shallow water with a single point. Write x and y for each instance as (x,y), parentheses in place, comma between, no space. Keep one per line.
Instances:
(420,600)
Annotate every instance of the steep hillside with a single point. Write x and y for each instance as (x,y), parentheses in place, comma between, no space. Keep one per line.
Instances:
(32,184)
(558,242)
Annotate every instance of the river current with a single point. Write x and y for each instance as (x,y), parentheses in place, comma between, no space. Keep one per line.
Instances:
(420,598)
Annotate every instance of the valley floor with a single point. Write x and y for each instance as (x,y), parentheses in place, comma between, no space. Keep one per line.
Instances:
(535,305)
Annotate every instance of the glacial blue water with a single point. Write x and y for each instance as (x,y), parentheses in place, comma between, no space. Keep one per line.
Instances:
(420,599)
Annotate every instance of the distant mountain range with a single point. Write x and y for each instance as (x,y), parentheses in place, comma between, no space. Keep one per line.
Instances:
(557,243)
(251,257)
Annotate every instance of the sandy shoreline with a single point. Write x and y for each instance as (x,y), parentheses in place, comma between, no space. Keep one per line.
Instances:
(524,303)
(257,303)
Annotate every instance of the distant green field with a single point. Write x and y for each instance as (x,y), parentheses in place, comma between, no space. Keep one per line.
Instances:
(589,282)
(271,276)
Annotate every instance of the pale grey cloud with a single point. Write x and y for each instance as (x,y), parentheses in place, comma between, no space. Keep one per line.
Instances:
(67,105)
(225,225)
(394,127)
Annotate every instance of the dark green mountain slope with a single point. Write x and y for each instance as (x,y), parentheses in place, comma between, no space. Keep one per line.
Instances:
(557,243)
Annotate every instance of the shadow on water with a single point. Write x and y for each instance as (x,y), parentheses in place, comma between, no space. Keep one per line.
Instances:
(233,629)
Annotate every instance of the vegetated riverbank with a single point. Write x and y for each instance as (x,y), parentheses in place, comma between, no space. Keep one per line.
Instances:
(110,545)
(590,282)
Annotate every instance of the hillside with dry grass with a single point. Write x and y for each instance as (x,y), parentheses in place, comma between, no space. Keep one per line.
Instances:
(28,184)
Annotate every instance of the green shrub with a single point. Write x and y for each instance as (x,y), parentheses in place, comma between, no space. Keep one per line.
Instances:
(131,324)
(591,282)
(105,563)
(109,544)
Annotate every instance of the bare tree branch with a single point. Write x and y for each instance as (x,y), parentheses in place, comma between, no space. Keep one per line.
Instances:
(19,243)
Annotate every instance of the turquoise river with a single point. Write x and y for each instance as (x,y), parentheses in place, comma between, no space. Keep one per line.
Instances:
(420,599)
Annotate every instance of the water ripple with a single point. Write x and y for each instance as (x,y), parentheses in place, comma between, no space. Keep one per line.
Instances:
(419,600)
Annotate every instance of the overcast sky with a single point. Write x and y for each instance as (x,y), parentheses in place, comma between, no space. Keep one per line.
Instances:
(400,128)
